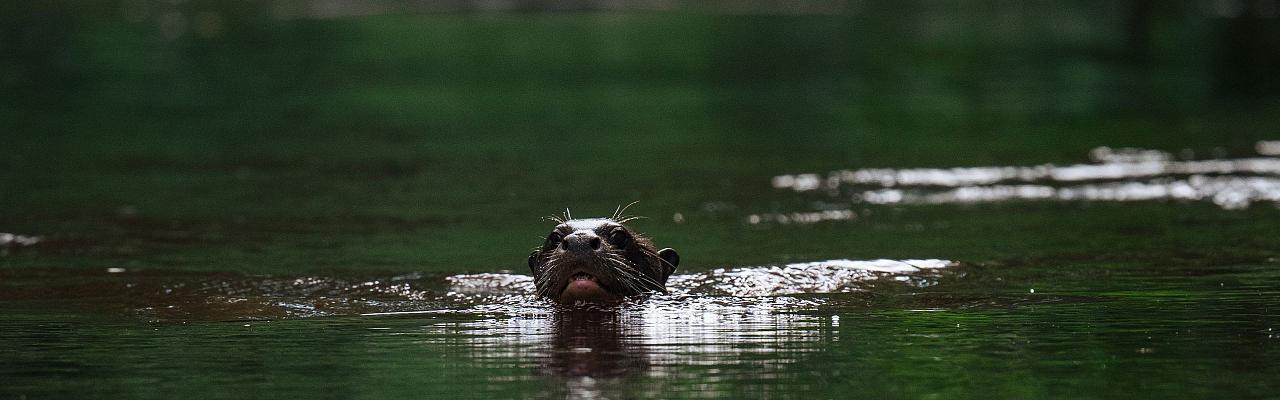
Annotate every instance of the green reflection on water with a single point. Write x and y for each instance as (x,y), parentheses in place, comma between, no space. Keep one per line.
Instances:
(434,143)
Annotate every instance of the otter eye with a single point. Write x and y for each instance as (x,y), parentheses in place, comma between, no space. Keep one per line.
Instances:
(619,238)
(554,238)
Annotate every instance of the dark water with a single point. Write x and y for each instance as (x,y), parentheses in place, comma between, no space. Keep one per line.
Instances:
(296,199)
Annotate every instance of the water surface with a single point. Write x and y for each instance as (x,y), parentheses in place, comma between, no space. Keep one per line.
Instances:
(288,199)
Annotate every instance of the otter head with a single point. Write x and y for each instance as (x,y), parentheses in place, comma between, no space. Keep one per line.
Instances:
(600,261)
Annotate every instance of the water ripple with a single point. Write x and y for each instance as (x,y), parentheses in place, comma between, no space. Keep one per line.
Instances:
(810,277)
(1117,175)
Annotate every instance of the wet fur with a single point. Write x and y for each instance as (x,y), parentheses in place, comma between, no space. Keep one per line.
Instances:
(636,268)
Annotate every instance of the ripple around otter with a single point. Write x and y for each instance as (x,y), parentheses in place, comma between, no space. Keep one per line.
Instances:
(170,296)
(799,278)
(713,294)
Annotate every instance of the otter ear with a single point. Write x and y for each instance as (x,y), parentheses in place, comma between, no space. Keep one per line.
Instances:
(533,262)
(672,258)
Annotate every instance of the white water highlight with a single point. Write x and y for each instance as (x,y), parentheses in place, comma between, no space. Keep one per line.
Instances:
(1117,175)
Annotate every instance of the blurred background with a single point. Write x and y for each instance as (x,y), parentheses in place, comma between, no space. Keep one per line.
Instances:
(297,135)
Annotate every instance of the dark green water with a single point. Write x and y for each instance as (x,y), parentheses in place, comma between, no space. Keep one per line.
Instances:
(268,200)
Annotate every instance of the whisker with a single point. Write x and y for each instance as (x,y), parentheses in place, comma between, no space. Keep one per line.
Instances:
(654,255)
(618,214)
(624,266)
(553,218)
(629,219)
(622,272)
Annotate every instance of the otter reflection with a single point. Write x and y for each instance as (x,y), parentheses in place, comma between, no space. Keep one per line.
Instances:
(599,353)
(589,342)
(644,348)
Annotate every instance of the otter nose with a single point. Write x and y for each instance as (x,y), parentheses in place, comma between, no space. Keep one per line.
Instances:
(581,241)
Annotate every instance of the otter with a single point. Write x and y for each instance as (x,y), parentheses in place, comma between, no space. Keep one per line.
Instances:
(599,260)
